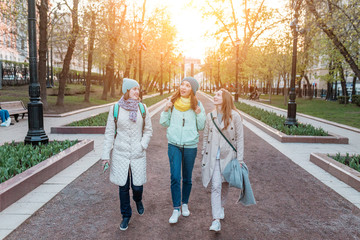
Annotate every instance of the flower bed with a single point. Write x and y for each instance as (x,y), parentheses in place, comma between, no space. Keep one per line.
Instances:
(277,122)
(21,184)
(15,158)
(352,161)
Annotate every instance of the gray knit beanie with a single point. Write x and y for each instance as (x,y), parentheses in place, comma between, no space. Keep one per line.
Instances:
(193,82)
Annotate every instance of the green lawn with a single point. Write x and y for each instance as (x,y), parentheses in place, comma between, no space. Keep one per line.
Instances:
(71,102)
(348,114)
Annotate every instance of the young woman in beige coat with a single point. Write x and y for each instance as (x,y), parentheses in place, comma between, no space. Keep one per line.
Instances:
(217,152)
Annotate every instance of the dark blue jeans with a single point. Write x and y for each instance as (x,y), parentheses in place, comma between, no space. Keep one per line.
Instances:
(4,115)
(124,195)
(181,158)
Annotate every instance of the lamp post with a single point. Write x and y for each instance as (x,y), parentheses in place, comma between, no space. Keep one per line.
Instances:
(237,44)
(161,73)
(218,61)
(140,27)
(291,114)
(36,133)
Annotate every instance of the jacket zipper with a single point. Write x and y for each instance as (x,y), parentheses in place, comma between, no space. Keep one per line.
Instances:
(182,129)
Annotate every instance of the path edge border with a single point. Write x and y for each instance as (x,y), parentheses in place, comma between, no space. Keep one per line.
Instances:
(340,171)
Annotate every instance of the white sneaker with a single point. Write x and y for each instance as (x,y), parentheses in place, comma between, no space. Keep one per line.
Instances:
(215,226)
(6,123)
(222,214)
(185,210)
(175,216)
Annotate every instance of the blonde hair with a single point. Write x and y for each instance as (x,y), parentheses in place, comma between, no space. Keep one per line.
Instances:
(227,106)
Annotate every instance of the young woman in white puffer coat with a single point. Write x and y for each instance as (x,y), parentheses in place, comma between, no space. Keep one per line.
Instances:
(129,143)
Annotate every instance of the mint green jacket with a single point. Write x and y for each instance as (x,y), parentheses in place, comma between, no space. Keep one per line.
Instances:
(183,127)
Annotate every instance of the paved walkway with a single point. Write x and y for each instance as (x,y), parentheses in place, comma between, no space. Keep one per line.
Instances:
(291,202)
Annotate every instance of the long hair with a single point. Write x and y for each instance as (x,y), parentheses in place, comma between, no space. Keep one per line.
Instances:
(193,99)
(226,107)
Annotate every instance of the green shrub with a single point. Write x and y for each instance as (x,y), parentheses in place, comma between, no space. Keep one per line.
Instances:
(98,120)
(277,122)
(341,99)
(356,100)
(351,161)
(18,157)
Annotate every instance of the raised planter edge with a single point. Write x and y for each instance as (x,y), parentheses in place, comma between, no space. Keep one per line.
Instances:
(281,137)
(340,171)
(92,129)
(23,183)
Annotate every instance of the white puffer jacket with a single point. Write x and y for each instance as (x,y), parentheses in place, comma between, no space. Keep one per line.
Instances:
(128,148)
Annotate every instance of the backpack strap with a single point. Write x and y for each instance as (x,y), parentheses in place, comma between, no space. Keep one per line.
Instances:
(143,114)
(116,116)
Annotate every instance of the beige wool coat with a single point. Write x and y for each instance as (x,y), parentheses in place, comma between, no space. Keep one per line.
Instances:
(213,139)
(128,148)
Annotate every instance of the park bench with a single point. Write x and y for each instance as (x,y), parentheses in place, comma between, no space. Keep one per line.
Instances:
(15,108)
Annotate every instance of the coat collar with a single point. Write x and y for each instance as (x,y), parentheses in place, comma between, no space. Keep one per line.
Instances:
(221,125)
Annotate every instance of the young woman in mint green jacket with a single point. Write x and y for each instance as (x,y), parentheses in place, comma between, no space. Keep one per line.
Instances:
(184,116)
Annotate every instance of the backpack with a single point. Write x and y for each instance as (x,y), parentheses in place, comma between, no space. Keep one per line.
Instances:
(116,115)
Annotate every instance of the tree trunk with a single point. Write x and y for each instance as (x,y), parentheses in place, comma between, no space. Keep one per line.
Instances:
(353,92)
(308,91)
(299,89)
(329,91)
(90,56)
(285,91)
(147,82)
(43,48)
(343,80)
(336,90)
(270,90)
(135,72)
(127,69)
(153,83)
(334,38)
(66,66)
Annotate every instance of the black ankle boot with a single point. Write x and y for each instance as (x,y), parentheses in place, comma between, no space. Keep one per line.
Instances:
(124,224)
(140,207)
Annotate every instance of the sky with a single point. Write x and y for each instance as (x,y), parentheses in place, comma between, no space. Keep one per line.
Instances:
(190,25)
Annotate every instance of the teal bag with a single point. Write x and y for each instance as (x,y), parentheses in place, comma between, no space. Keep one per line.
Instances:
(232,174)
(232,171)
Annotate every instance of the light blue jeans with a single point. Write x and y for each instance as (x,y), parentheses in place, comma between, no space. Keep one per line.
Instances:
(4,115)
(181,158)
